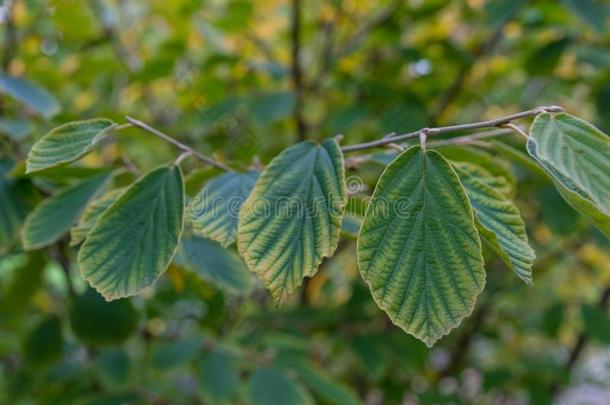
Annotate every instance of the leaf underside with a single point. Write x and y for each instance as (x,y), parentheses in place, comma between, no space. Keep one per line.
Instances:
(67,143)
(292,218)
(577,157)
(135,239)
(216,215)
(418,249)
(498,220)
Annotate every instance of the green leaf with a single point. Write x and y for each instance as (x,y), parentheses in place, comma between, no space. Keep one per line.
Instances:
(418,249)
(543,60)
(171,354)
(322,385)
(266,108)
(67,143)
(292,218)
(597,323)
(97,322)
(215,264)
(552,319)
(113,366)
(18,291)
(271,386)
(499,11)
(215,211)
(498,220)
(134,240)
(51,219)
(577,157)
(44,344)
(15,129)
(79,232)
(219,377)
(16,200)
(30,94)
(505,180)
(593,12)
(518,156)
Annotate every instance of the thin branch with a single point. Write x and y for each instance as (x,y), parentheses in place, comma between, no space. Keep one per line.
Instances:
(123,126)
(515,128)
(182,156)
(178,144)
(453,128)
(467,139)
(297,72)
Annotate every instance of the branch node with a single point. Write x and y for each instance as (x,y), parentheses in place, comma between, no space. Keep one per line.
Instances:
(423,135)
(515,128)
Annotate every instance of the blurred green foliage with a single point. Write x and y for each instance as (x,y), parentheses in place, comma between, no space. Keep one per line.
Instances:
(217,75)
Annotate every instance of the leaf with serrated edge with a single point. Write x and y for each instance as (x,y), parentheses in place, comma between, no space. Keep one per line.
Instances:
(79,232)
(493,164)
(50,220)
(67,143)
(292,218)
(577,157)
(135,239)
(418,249)
(498,220)
(215,213)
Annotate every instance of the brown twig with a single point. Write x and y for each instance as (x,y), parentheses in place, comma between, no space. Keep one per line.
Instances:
(453,128)
(469,139)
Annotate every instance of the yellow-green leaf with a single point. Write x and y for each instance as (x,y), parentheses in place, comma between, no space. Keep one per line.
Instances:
(498,220)
(292,218)
(50,220)
(135,239)
(418,249)
(577,157)
(67,143)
